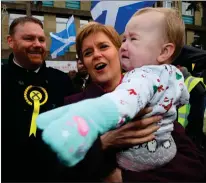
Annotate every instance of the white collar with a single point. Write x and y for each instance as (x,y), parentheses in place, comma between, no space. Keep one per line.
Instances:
(37,70)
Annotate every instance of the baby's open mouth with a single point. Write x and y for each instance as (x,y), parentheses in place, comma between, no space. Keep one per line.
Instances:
(123,56)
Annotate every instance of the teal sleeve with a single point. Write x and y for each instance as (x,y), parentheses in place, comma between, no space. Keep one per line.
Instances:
(71,130)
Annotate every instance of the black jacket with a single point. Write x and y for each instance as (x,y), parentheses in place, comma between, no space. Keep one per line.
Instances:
(80,83)
(190,55)
(27,158)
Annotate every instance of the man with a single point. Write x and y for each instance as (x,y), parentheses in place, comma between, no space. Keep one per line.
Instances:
(191,55)
(195,112)
(80,79)
(28,88)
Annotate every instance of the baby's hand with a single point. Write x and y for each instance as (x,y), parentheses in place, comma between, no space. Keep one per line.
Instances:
(115,176)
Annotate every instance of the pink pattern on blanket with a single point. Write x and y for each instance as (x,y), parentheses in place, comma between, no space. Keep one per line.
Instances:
(82,125)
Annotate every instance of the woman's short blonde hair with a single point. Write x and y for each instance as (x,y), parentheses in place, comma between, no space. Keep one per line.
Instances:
(92,28)
(174,27)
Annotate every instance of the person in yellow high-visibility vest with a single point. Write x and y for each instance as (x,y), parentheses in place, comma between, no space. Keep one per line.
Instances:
(191,116)
(191,83)
(183,112)
(189,56)
(204,80)
(204,124)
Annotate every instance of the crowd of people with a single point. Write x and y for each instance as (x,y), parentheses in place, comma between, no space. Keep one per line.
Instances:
(29,88)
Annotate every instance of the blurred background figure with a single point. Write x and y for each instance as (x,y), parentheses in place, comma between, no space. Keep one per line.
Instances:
(80,78)
(72,74)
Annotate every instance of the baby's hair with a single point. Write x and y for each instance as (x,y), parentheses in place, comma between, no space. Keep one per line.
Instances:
(174,27)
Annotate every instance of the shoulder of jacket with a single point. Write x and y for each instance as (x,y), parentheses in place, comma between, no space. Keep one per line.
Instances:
(74,98)
(5,69)
(56,72)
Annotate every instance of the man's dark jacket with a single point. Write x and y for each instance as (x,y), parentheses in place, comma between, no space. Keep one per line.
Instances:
(191,55)
(27,158)
(188,56)
(80,82)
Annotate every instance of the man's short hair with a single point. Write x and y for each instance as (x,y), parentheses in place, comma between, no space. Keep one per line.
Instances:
(22,21)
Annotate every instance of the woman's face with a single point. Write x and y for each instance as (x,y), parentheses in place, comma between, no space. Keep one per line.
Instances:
(101,58)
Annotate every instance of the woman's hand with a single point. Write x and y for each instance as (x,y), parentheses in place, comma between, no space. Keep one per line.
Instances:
(136,132)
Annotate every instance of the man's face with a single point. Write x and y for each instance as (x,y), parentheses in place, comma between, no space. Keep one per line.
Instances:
(28,44)
(81,68)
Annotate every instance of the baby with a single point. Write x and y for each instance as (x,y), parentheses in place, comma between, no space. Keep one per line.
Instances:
(153,38)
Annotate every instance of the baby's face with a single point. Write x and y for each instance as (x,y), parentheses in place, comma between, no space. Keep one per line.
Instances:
(142,40)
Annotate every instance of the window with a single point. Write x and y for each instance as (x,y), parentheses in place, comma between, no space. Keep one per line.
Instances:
(187,15)
(45,3)
(61,24)
(39,17)
(185,11)
(9,1)
(72,4)
(48,3)
(167,4)
(83,22)
(13,16)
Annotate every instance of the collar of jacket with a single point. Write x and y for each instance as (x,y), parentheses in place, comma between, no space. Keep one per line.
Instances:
(18,69)
(105,91)
(96,90)
(93,90)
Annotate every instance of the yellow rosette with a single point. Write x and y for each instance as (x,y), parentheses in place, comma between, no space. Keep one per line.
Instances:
(36,96)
